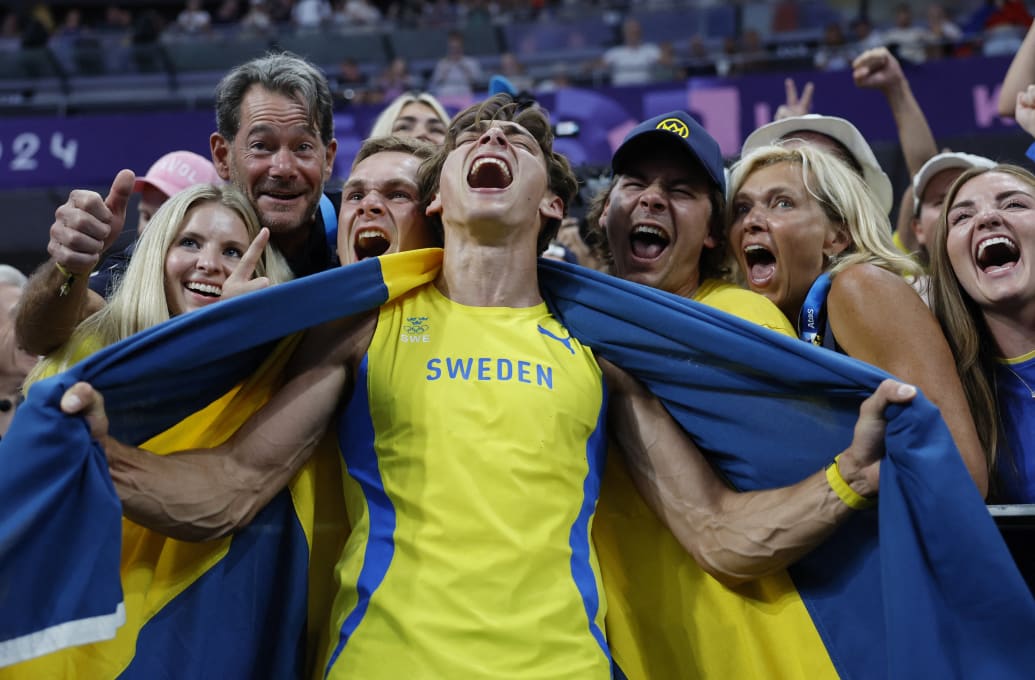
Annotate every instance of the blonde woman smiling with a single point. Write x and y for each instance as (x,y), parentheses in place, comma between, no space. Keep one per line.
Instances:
(202,246)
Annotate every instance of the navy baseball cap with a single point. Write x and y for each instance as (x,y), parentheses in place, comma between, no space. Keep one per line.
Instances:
(681,128)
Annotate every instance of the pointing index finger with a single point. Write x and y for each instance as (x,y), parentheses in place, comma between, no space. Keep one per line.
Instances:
(246,267)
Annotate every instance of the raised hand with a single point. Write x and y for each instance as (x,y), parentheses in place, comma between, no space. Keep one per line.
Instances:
(795,105)
(240,280)
(1024,112)
(877,69)
(86,225)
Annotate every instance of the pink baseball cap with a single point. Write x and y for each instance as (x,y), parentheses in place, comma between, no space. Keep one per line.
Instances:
(177,170)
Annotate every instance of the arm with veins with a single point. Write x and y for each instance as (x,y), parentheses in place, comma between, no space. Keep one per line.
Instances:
(207,493)
(738,536)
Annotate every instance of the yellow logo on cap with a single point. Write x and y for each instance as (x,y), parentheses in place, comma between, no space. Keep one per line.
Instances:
(675,126)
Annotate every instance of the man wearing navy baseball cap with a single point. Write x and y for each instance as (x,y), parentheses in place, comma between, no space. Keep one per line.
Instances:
(662,216)
(661,224)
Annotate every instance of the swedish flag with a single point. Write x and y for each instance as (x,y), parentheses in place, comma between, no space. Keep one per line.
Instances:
(934,593)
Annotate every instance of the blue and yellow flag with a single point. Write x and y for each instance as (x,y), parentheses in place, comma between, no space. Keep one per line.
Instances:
(935,593)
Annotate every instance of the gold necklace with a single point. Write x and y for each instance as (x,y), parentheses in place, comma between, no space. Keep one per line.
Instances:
(1022,381)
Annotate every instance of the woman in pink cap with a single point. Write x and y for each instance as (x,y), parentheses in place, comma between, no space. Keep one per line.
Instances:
(168,176)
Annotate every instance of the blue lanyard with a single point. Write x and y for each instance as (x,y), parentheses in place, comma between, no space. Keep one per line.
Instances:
(812,318)
(330,222)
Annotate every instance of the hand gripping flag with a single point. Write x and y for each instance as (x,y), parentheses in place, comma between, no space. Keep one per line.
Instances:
(935,593)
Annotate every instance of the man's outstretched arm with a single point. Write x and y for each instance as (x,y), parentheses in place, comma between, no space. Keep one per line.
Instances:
(739,536)
(208,493)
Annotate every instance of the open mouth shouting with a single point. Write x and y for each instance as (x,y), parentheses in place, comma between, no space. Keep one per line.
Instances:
(647,242)
(996,253)
(370,242)
(760,265)
(488,172)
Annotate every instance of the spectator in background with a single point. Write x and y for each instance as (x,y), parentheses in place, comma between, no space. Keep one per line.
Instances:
(310,15)
(280,11)
(116,20)
(700,62)
(1001,25)
(514,71)
(148,26)
(351,83)
(559,78)
(834,53)
(576,248)
(194,19)
(14,363)
(354,13)
(631,62)
(456,74)
(229,14)
(668,67)
(37,25)
(942,33)
(475,13)
(10,33)
(70,31)
(786,16)
(742,56)
(435,13)
(863,35)
(753,53)
(904,38)
(414,114)
(397,79)
(257,20)
(169,175)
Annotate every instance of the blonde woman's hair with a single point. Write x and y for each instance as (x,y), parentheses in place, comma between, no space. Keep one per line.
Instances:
(139,300)
(386,119)
(963,322)
(845,199)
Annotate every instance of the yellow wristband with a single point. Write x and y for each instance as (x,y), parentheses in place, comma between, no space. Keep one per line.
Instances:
(851,498)
(69,279)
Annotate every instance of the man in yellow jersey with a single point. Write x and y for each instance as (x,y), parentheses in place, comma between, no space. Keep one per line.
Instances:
(473,432)
(661,224)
